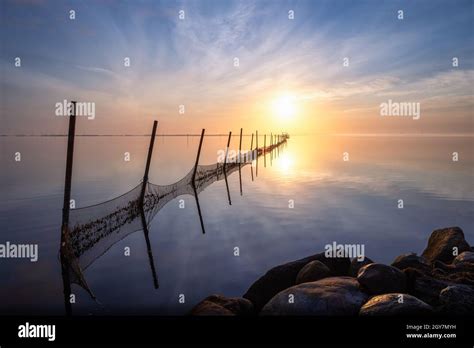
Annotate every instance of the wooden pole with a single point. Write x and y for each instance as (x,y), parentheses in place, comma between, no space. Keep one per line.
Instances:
(251,150)
(240,180)
(66,207)
(278,148)
(194,179)
(227,186)
(271,154)
(69,161)
(148,248)
(142,198)
(240,146)
(148,161)
(227,149)
(225,164)
(265,150)
(256,141)
(198,155)
(251,153)
(271,151)
(276,145)
(199,209)
(240,161)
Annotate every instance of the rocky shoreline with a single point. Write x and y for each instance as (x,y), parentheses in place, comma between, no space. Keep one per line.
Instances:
(439,282)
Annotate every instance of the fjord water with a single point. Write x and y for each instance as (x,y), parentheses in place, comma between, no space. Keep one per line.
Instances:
(353,201)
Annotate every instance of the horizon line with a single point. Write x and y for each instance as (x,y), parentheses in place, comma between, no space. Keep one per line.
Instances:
(246,135)
(130,135)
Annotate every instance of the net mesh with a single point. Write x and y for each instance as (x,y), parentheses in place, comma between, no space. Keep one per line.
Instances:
(95,229)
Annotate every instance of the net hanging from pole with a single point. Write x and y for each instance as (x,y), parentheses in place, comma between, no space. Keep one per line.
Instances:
(95,229)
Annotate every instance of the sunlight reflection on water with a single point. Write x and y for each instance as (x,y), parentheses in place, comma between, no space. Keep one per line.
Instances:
(351,201)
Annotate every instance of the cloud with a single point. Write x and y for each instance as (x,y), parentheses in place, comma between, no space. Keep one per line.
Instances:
(191,61)
(107,72)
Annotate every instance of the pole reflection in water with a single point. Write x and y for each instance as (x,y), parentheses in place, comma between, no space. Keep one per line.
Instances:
(93,230)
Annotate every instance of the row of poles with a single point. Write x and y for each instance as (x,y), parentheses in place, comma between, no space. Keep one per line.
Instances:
(274,140)
(70,155)
(68,179)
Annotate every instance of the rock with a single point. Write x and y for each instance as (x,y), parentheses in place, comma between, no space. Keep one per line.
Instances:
(312,271)
(210,309)
(461,272)
(282,277)
(424,286)
(442,243)
(467,256)
(457,299)
(381,279)
(327,297)
(395,304)
(218,305)
(339,266)
(356,265)
(275,280)
(411,260)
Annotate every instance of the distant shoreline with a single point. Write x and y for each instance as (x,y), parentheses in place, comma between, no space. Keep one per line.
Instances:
(426,135)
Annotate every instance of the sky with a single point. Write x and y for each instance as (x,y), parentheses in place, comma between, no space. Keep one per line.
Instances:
(290,74)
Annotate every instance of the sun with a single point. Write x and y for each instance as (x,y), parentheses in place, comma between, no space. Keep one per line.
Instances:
(284,107)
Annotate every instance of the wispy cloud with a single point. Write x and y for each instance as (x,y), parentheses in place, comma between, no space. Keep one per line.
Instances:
(191,61)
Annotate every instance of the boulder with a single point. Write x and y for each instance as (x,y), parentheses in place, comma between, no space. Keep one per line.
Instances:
(356,265)
(457,300)
(442,242)
(312,271)
(395,304)
(411,260)
(326,297)
(378,278)
(466,256)
(424,286)
(339,266)
(461,272)
(218,305)
(283,276)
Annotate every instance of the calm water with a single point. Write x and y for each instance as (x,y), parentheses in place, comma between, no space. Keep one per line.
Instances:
(334,200)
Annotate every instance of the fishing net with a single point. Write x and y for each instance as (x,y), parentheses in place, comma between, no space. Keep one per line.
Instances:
(95,229)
